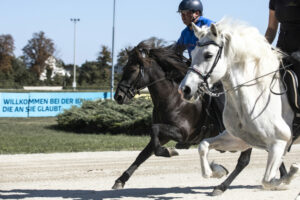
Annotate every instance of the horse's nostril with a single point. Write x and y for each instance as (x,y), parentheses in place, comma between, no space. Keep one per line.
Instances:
(186,90)
(119,98)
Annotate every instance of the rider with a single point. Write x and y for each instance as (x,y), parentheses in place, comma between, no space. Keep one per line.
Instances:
(191,11)
(287,13)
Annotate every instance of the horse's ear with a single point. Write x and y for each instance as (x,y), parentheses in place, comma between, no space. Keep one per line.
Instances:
(214,30)
(198,31)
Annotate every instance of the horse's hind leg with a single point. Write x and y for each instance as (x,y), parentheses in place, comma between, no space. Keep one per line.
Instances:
(243,161)
(275,155)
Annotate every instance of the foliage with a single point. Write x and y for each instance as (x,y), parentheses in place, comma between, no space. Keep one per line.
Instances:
(97,73)
(37,51)
(6,53)
(104,58)
(123,58)
(89,74)
(107,116)
(16,72)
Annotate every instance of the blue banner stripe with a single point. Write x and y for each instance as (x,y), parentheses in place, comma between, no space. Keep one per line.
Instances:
(43,104)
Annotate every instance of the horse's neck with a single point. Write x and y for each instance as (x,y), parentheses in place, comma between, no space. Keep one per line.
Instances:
(241,75)
(162,91)
(246,91)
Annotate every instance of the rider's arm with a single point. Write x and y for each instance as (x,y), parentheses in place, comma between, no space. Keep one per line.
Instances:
(272,27)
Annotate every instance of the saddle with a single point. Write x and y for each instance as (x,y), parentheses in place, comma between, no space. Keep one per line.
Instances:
(290,78)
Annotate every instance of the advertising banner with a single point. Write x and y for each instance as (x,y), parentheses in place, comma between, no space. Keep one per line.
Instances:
(43,104)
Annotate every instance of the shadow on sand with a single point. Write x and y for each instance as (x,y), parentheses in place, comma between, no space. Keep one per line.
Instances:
(150,193)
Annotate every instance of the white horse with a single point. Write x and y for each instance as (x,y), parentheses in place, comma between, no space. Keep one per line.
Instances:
(241,58)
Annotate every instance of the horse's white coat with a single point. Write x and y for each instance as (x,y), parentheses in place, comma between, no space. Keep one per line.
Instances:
(253,116)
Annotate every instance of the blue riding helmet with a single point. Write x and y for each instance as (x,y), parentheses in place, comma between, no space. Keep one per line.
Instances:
(193,5)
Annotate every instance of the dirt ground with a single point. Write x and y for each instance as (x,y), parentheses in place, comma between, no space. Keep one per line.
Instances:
(90,175)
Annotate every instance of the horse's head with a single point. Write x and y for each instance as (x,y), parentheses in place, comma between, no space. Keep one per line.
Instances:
(208,61)
(134,76)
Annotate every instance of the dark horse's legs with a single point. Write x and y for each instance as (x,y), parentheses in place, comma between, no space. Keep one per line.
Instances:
(160,135)
(243,161)
(144,155)
(164,131)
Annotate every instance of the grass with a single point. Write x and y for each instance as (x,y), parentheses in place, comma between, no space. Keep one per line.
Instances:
(38,135)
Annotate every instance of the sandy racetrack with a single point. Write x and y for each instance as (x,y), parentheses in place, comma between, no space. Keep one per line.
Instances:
(90,175)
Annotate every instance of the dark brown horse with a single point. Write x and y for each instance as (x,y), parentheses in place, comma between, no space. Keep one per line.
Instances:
(161,70)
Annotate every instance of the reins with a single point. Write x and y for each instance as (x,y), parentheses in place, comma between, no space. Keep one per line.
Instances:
(204,86)
(245,84)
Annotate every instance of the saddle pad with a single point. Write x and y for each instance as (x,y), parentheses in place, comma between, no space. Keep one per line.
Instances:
(291,81)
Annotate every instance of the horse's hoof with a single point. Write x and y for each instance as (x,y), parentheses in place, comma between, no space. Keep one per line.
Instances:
(293,170)
(118,185)
(218,170)
(274,184)
(172,152)
(217,192)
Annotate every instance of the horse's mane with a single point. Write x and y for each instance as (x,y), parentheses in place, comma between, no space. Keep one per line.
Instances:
(169,57)
(245,42)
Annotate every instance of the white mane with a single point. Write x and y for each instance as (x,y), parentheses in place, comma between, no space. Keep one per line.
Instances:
(244,42)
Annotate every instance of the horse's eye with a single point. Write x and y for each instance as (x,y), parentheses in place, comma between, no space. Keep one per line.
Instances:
(207,56)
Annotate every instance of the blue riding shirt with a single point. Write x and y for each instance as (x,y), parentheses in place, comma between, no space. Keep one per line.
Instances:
(188,38)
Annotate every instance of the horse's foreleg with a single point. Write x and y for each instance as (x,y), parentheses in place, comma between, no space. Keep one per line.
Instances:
(242,163)
(274,161)
(223,142)
(144,155)
(160,131)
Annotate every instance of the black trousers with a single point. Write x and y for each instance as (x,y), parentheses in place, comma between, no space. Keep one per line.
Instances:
(289,42)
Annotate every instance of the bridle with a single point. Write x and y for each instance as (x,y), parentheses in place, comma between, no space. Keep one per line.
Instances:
(204,77)
(131,89)
(204,85)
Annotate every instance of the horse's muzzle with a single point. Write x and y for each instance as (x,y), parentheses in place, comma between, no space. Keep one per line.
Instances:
(186,92)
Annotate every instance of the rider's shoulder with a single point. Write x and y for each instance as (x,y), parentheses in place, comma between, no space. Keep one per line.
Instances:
(204,21)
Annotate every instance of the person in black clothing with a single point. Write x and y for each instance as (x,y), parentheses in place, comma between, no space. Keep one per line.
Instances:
(287,14)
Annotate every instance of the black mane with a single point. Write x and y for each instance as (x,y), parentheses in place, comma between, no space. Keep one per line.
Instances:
(169,58)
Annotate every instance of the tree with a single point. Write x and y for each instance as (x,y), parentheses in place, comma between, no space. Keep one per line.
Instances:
(104,58)
(37,51)
(21,74)
(104,65)
(6,53)
(89,73)
(122,59)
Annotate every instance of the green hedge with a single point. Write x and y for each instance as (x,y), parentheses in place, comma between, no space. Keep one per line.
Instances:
(106,116)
